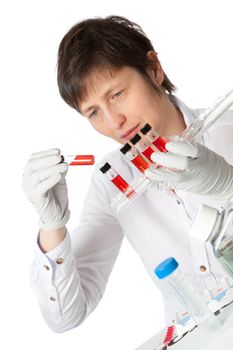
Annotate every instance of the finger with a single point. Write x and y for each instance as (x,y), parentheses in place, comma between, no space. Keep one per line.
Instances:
(46,173)
(47,184)
(182,148)
(41,163)
(46,152)
(174,138)
(170,160)
(161,175)
(154,175)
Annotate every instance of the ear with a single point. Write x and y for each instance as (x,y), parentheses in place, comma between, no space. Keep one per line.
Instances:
(155,70)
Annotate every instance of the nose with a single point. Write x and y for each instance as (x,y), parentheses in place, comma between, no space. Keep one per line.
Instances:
(115,118)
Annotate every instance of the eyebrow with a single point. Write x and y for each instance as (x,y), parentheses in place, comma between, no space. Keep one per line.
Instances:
(105,94)
(88,109)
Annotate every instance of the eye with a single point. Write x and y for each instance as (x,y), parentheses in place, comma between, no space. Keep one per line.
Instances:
(118,94)
(93,114)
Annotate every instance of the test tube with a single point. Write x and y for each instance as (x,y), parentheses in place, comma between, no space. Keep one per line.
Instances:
(142,146)
(158,141)
(84,159)
(134,157)
(117,180)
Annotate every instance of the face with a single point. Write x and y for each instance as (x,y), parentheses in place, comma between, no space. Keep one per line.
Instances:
(119,104)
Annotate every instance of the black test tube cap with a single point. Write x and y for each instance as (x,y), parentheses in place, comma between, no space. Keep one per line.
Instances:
(135,139)
(145,129)
(105,168)
(125,148)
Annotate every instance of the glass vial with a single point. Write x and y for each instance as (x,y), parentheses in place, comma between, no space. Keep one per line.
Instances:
(116,179)
(225,255)
(158,141)
(143,147)
(135,158)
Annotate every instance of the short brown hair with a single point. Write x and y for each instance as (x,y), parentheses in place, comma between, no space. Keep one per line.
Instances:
(111,42)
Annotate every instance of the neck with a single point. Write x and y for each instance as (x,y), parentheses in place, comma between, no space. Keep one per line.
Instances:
(176,124)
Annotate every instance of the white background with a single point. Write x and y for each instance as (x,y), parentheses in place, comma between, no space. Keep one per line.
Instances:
(194,42)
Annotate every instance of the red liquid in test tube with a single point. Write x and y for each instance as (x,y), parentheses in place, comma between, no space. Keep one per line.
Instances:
(117,180)
(146,150)
(134,157)
(87,159)
(140,163)
(120,183)
(158,141)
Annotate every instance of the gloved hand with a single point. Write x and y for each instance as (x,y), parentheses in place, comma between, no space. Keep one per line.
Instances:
(45,187)
(199,170)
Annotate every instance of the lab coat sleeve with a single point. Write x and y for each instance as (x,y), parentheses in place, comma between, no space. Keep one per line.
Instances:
(69,281)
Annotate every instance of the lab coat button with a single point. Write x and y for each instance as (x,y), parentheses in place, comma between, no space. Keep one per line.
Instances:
(178,202)
(59,261)
(46,267)
(52,299)
(202,268)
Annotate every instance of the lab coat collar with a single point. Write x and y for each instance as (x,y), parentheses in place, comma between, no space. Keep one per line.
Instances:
(188,114)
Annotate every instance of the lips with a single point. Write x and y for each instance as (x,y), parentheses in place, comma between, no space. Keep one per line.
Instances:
(130,133)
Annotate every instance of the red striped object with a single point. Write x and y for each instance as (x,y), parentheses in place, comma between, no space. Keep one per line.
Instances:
(87,159)
(169,335)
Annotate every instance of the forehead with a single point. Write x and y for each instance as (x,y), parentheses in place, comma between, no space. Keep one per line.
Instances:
(99,81)
(99,78)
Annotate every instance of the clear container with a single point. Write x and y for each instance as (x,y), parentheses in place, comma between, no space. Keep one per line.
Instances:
(215,226)
(225,256)
(158,141)
(169,271)
(222,241)
(117,180)
(208,117)
(143,146)
(134,156)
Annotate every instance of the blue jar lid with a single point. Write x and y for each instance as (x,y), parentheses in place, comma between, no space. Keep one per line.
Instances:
(166,267)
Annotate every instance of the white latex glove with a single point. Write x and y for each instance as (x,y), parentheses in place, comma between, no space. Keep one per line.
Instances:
(199,170)
(45,187)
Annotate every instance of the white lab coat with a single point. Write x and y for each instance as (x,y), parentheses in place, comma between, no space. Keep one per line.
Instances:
(69,281)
